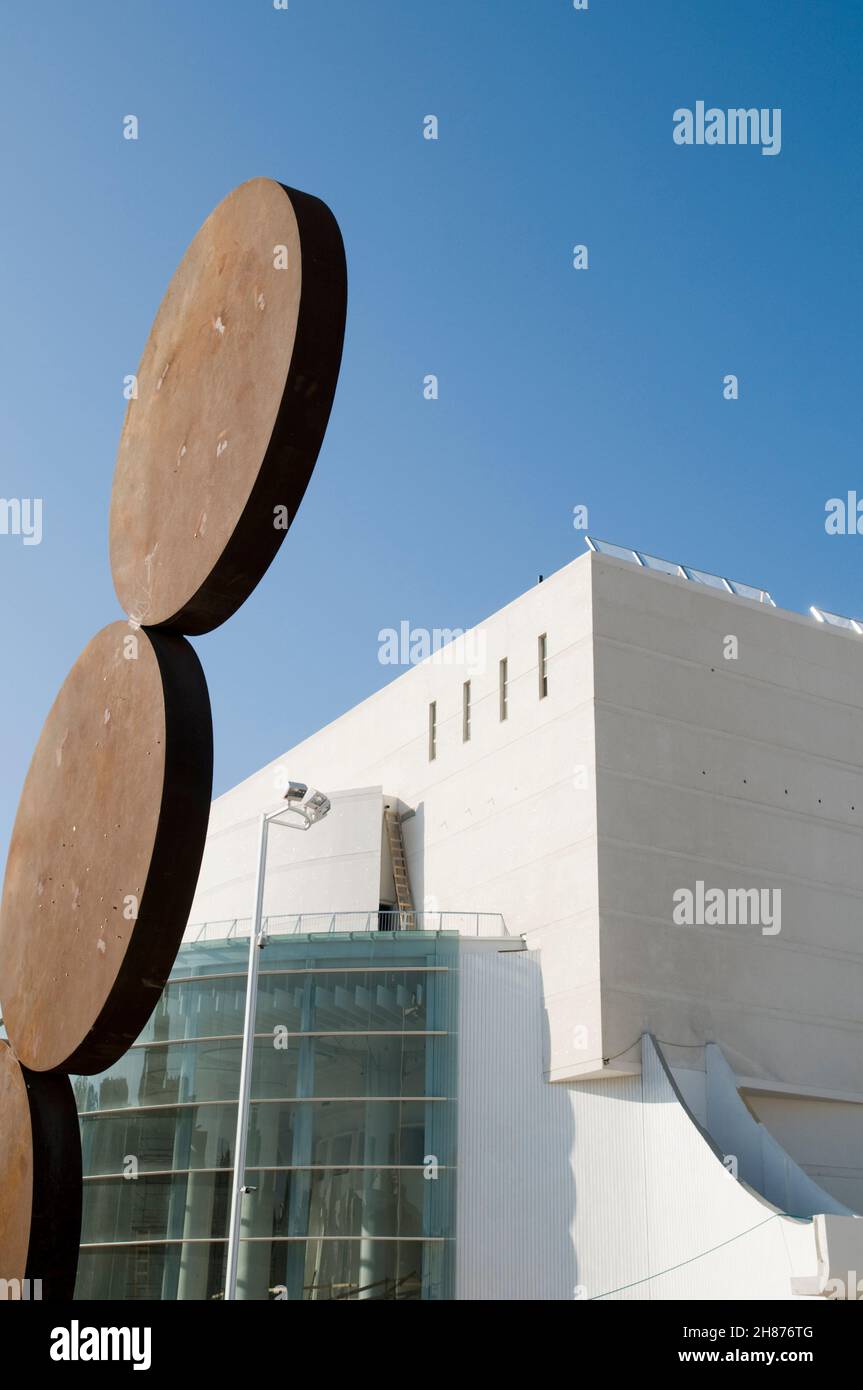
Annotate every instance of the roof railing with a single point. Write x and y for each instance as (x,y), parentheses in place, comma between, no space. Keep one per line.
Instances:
(475,924)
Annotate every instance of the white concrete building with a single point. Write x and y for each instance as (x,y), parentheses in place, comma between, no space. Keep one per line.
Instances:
(639,797)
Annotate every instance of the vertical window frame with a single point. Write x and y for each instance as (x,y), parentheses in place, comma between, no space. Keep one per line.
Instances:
(542,663)
(465,712)
(432,745)
(503,689)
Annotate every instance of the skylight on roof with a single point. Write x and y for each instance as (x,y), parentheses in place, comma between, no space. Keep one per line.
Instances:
(835,620)
(653,562)
(713,581)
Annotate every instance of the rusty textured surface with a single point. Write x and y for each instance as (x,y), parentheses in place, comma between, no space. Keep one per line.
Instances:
(112,820)
(40,1191)
(235,388)
(16,1168)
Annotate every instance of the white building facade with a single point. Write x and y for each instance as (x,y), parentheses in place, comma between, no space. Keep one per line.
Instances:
(637,798)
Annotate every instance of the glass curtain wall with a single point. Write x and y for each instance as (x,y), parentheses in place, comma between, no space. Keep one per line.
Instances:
(352,1131)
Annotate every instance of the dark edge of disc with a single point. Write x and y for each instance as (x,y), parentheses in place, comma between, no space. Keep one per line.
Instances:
(184,814)
(299,429)
(55,1220)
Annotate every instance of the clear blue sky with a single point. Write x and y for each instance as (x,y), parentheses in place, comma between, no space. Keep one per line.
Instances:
(557,387)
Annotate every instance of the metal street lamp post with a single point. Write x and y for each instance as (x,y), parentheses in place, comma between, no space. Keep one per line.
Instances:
(308,807)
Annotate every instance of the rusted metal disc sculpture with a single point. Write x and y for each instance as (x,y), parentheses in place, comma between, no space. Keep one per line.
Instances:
(106,850)
(232,399)
(233,396)
(40,1187)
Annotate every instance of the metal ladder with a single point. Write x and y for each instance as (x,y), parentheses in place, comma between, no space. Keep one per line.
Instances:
(404,900)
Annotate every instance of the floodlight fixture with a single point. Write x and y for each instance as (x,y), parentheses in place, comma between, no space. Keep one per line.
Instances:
(295,791)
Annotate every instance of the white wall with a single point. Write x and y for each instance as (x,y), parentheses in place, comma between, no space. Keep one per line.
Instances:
(597,1189)
(502,824)
(741,773)
(332,867)
(652,763)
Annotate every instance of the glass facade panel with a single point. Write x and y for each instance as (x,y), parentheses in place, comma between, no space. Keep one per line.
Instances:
(364,1064)
(277,1270)
(167,1138)
(351,1141)
(342,1001)
(351,1203)
(158,1075)
(199,1009)
(284,1066)
(299,1001)
(343,1269)
(152,1272)
(338,1132)
(156,1206)
(348,1202)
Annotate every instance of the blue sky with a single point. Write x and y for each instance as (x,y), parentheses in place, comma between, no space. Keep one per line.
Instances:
(557,387)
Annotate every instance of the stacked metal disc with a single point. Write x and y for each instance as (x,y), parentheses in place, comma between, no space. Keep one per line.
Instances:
(232,399)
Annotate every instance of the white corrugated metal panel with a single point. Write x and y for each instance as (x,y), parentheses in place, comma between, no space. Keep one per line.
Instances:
(602,1189)
(709,1237)
(610,1228)
(515,1182)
